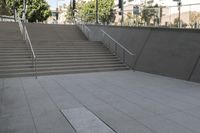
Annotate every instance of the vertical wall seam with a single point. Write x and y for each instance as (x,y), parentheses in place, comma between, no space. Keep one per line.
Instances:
(142,49)
(194,68)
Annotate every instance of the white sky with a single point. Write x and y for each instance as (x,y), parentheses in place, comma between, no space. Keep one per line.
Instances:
(53,3)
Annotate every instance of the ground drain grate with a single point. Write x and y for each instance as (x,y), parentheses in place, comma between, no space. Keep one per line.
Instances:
(84,121)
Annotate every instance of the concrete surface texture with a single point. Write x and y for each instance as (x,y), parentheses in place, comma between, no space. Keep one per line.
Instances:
(48,32)
(127,101)
(59,49)
(9,31)
(169,52)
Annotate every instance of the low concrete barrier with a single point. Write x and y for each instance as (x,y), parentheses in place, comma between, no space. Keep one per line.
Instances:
(169,52)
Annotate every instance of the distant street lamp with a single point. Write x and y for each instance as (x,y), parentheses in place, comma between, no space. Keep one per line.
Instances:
(97,11)
(24,11)
(179,12)
(121,5)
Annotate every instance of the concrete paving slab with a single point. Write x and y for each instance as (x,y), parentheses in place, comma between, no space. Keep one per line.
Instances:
(186,120)
(61,98)
(193,111)
(114,100)
(85,122)
(46,115)
(117,120)
(163,125)
(15,116)
(127,101)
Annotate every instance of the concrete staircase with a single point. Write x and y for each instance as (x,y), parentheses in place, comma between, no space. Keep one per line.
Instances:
(13,51)
(59,49)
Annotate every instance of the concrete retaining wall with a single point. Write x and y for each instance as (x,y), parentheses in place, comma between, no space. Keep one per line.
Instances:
(169,52)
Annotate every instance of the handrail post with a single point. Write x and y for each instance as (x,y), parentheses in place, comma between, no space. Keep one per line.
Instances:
(115,49)
(35,68)
(123,56)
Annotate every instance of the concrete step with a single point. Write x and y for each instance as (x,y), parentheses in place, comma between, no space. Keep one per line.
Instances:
(57,61)
(77,57)
(73,55)
(39,65)
(56,72)
(14,70)
(4,51)
(49,43)
(68,48)
(21,55)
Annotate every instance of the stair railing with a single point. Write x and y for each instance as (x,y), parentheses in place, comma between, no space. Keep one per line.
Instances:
(33,56)
(18,20)
(116,44)
(85,30)
(26,37)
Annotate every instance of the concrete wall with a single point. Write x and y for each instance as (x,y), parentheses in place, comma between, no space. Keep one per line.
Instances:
(196,73)
(169,52)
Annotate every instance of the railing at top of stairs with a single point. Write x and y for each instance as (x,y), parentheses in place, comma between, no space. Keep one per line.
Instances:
(26,37)
(105,36)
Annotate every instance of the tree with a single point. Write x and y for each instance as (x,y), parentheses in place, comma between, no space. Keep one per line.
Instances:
(37,10)
(129,19)
(151,13)
(70,14)
(176,23)
(3,8)
(194,18)
(87,11)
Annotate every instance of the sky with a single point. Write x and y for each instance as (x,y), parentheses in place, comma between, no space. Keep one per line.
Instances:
(53,3)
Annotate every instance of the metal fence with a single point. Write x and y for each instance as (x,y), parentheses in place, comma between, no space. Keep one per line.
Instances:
(163,16)
(4,18)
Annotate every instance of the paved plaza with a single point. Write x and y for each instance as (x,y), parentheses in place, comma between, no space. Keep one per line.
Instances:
(126,101)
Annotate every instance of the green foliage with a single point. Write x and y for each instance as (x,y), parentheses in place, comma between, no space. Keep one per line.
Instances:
(3,8)
(37,10)
(150,12)
(176,23)
(87,11)
(69,16)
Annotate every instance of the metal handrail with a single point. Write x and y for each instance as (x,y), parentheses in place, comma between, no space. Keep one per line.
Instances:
(117,44)
(26,37)
(21,27)
(85,30)
(33,56)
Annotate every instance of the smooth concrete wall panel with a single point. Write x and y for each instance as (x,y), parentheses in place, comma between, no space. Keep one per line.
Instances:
(133,40)
(196,73)
(169,52)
